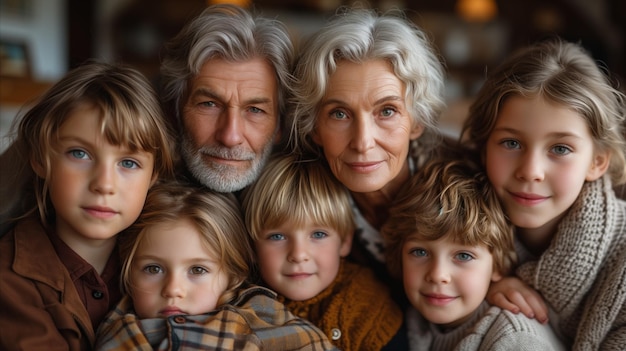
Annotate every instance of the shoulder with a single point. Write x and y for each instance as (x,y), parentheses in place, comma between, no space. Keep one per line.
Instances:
(275,327)
(363,307)
(502,330)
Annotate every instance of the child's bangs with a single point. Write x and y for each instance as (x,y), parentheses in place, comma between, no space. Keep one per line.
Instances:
(126,126)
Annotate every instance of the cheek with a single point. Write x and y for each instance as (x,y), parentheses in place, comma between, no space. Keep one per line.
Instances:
(411,276)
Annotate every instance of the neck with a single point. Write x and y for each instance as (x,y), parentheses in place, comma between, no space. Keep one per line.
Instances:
(375,205)
(537,240)
(94,252)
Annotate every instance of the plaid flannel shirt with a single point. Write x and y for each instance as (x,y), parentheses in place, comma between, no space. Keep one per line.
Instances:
(254,321)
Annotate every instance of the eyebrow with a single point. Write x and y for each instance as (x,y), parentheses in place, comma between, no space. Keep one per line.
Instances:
(377,102)
(553,134)
(204,92)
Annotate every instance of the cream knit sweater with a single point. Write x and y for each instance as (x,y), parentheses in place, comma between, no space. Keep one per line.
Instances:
(489,328)
(582,275)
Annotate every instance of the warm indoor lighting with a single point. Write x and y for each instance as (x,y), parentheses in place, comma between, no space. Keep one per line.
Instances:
(241,3)
(477,10)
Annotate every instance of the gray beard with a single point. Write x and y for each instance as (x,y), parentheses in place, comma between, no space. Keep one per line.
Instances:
(224,178)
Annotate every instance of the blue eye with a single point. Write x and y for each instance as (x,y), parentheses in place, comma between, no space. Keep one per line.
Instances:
(388,112)
(79,154)
(464,256)
(418,252)
(338,114)
(319,235)
(276,237)
(561,150)
(255,110)
(129,164)
(511,144)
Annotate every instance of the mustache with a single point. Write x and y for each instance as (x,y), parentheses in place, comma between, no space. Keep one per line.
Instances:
(237,154)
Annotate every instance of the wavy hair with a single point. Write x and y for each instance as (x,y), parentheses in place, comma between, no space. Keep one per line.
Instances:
(359,35)
(217,218)
(231,33)
(130,116)
(450,199)
(565,74)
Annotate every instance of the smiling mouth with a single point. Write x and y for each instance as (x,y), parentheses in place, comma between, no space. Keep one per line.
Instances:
(438,300)
(527,199)
(364,167)
(299,275)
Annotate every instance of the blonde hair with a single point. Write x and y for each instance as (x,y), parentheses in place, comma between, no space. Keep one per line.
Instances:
(449,199)
(297,190)
(130,116)
(217,218)
(563,73)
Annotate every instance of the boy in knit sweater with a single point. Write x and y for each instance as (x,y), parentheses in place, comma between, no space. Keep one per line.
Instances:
(301,223)
(549,128)
(447,239)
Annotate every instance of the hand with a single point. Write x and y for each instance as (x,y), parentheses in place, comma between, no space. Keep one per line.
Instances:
(512,294)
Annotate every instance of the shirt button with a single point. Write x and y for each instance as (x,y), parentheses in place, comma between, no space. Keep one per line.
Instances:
(179,319)
(97,294)
(335,334)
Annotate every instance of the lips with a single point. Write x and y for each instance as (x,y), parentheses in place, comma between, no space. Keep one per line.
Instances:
(438,299)
(364,167)
(100,211)
(298,275)
(170,311)
(528,199)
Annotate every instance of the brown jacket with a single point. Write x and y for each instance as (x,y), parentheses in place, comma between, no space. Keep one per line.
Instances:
(39,306)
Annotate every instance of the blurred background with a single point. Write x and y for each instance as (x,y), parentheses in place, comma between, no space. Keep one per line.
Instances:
(40,40)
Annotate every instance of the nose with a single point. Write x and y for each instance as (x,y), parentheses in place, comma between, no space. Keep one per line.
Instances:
(298,252)
(363,132)
(229,128)
(438,272)
(173,287)
(103,179)
(531,167)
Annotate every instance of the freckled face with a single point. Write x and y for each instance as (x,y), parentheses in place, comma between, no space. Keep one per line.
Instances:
(364,126)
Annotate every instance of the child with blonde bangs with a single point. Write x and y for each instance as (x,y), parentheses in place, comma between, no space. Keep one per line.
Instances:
(90,148)
(549,128)
(300,219)
(448,240)
(186,264)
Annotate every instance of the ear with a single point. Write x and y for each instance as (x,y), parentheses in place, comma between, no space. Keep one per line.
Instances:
(38,168)
(417,131)
(278,136)
(346,245)
(315,137)
(495,276)
(154,179)
(599,165)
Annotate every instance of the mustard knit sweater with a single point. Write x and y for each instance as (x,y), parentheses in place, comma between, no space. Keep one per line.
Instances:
(356,311)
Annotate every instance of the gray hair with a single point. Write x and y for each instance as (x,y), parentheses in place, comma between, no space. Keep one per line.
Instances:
(230,33)
(359,35)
